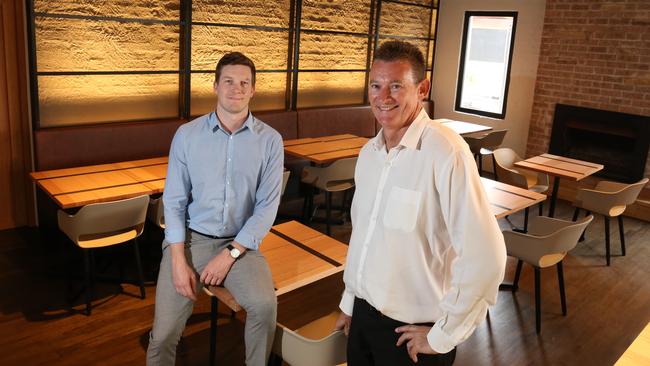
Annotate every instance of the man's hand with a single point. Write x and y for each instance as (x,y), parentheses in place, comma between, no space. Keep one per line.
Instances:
(183,275)
(343,322)
(417,340)
(217,269)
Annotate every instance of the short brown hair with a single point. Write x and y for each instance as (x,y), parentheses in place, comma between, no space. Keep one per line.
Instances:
(399,50)
(235,58)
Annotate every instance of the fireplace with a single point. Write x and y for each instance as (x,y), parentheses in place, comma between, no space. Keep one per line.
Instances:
(619,141)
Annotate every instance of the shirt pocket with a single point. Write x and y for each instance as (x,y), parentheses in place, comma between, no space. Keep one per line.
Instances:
(402,209)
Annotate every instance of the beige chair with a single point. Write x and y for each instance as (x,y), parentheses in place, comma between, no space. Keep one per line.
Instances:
(484,144)
(505,158)
(314,344)
(610,200)
(156,212)
(547,242)
(337,177)
(105,224)
(285,180)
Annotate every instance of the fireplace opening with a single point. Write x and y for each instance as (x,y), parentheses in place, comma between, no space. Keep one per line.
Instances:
(619,141)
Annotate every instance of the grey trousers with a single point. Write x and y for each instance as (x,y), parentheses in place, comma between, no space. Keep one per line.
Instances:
(249,281)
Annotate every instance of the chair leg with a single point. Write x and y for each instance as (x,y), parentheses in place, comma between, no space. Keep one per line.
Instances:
(515,283)
(213,328)
(560,278)
(538,302)
(138,264)
(582,237)
(541,209)
(494,168)
(607,252)
(328,202)
(479,157)
(89,287)
(576,213)
(526,220)
(621,232)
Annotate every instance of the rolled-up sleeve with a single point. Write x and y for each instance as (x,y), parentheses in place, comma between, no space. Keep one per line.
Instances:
(267,198)
(478,242)
(177,190)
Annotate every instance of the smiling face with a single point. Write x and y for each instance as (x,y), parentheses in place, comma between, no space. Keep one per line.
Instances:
(395,94)
(234,88)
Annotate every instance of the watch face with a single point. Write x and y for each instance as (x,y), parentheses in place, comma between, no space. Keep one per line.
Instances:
(235,253)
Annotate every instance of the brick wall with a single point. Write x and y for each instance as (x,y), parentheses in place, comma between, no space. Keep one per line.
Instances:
(596,54)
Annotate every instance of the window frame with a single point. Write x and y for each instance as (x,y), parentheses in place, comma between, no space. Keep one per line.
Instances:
(463,54)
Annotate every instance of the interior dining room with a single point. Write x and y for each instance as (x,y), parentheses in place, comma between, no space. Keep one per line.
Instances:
(551,98)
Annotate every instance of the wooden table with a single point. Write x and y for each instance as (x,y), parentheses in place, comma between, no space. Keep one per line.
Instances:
(327,149)
(299,255)
(76,187)
(559,167)
(463,128)
(638,353)
(506,199)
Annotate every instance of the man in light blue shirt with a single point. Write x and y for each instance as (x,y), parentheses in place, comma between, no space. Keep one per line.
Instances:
(221,197)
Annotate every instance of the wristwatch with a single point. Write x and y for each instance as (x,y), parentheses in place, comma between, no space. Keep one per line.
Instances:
(234,252)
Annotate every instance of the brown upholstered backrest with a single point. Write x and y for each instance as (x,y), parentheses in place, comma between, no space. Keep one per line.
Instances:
(285,122)
(65,147)
(316,122)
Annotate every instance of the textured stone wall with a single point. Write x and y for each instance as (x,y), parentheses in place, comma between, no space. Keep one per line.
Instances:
(594,54)
(115,42)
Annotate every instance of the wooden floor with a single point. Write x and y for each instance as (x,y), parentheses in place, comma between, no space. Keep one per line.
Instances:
(608,307)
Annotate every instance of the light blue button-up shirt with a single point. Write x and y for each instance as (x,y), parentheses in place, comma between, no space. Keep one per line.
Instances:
(223,184)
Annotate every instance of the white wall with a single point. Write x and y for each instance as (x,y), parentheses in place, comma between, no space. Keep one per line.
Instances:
(530,20)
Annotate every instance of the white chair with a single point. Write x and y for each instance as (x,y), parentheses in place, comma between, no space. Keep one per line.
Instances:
(505,159)
(314,344)
(337,177)
(156,212)
(547,242)
(609,199)
(485,144)
(285,180)
(105,224)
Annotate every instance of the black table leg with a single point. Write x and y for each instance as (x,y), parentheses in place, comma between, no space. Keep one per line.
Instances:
(556,187)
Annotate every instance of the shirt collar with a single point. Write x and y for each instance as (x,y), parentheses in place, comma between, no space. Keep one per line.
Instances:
(251,123)
(411,139)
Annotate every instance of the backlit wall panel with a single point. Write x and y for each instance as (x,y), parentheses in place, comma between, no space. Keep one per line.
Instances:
(100,61)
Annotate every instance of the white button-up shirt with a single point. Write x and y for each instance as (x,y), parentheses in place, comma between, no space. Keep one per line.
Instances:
(425,245)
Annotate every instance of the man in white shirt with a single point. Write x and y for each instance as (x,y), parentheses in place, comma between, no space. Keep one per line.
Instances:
(426,254)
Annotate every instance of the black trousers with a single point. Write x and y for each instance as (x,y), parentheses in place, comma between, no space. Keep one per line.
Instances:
(372,341)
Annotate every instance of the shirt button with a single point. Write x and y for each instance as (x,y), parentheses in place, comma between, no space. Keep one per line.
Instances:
(226,205)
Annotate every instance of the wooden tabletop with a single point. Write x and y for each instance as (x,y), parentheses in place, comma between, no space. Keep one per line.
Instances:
(321,150)
(560,166)
(76,187)
(463,128)
(506,199)
(638,353)
(299,255)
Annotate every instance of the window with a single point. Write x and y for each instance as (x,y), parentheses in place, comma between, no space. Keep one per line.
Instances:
(110,61)
(485,60)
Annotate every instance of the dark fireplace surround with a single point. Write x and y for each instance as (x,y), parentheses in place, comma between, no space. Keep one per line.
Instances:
(619,141)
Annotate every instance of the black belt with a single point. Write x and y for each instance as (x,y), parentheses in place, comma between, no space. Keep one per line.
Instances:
(210,236)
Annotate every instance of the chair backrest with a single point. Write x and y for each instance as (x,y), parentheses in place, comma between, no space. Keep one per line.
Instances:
(338,172)
(106,217)
(156,212)
(506,157)
(285,179)
(610,198)
(489,140)
(548,240)
(319,346)
(629,193)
